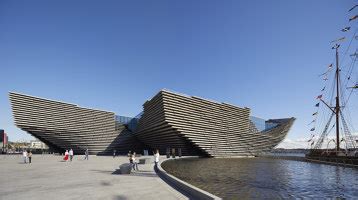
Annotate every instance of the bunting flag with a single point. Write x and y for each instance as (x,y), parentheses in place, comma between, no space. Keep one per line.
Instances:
(354,87)
(312,122)
(312,129)
(352,8)
(319,96)
(325,78)
(346,29)
(312,143)
(315,113)
(328,70)
(317,105)
(330,66)
(323,88)
(349,78)
(336,46)
(353,18)
(337,40)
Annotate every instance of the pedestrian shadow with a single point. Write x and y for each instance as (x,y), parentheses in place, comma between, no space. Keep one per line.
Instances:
(137,173)
(106,183)
(102,171)
(120,197)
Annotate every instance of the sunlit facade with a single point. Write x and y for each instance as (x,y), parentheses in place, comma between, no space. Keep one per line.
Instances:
(189,124)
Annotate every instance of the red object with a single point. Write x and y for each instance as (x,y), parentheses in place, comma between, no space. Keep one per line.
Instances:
(319,96)
(66,157)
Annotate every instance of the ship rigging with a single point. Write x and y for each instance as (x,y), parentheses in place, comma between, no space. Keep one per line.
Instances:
(337,116)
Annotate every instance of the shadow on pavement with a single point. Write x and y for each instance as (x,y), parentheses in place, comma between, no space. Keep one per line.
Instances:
(120,197)
(137,173)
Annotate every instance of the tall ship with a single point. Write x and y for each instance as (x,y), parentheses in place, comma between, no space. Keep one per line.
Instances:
(333,138)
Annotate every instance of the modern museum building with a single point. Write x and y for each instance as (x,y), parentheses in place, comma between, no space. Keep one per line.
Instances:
(170,120)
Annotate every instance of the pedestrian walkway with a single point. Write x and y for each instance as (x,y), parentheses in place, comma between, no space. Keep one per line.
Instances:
(48,177)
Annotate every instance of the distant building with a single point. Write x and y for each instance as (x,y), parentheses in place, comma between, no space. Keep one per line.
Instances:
(3,140)
(37,144)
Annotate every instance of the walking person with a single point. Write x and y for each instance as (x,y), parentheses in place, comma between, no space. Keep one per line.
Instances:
(86,154)
(130,158)
(156,157)
(24,155)
(114,153)
(30,156)
(71,154)
(66,156)
(134,163)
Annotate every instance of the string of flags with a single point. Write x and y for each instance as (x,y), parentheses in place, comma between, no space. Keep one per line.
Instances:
(330,67)
(325,74)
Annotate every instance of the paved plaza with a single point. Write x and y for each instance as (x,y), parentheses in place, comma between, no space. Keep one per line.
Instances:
(48,177)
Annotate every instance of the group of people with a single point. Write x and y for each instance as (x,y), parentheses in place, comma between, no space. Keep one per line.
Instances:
(68,154)
(27,155)
(134,163)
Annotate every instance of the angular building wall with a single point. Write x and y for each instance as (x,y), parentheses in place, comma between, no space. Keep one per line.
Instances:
(170,120)
(203,127)
(64,126)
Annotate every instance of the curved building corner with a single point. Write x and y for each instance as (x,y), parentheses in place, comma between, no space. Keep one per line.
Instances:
(199,126)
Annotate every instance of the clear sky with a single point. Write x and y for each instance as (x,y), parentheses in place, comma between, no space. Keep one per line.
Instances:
(114,55)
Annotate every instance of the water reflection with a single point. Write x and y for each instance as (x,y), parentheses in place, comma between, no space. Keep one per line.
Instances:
(265,178)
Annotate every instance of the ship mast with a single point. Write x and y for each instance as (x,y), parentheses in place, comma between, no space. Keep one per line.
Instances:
(337,108)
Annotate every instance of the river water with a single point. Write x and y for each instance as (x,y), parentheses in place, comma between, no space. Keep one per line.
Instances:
(266,178)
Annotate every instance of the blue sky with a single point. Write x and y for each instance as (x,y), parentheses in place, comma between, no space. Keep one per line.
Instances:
(114,55)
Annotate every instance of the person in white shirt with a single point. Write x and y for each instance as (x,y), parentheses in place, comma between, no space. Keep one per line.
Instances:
(156,157)
(71,154)
(135,164)
(24,155)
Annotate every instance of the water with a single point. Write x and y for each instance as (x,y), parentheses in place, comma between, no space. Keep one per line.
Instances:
(265,178)
(287,154)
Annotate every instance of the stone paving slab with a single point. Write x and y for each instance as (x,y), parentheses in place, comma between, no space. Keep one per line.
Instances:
(48,177)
